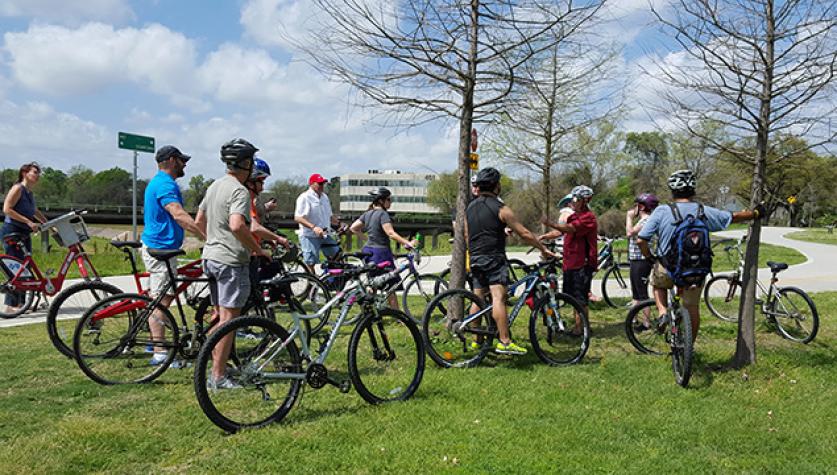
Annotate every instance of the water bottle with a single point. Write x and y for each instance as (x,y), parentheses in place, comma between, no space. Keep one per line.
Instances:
(420,239)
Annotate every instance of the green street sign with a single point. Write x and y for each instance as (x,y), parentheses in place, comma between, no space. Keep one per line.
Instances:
(139,143)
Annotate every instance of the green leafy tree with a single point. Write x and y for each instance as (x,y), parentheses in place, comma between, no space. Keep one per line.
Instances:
(52,188)
(197,189)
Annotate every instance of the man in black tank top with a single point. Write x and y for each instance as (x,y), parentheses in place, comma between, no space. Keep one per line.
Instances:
(486,220)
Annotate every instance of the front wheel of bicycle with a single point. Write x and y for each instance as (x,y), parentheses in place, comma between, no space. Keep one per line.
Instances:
(449,340)
(795,315)
(616,286)
(262,377)
(118,339)
(9,266)
(559,330)
(642,327)
(418,292)
(386,357)
(682,349)
(722,295)
(68,306)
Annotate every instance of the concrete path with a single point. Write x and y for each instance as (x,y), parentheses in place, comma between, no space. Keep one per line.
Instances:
(818,274)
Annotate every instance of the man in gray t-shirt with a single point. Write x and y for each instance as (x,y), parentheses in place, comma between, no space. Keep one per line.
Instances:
(224,215)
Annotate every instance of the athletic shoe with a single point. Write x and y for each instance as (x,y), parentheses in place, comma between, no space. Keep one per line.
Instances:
(158,359)
(474,346)
(510,349)
(223,383)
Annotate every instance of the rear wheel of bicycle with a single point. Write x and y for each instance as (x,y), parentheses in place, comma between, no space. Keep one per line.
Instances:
(113,342)
(681,347)
(559,330)
(263,375)
(616,286)
(722,295)
(68,306)
(445,276)
(448,341)
(419,291)
(643,331)
(10,267)
(796,315)
(386,357)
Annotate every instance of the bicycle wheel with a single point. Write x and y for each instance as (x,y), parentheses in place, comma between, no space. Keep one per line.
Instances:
(10,265)
(616,286)
(418,292)
(264,375)
(113,342)
(445,276)
(648,339)
(68,306)
(722,295)
(553,332)
(448,341)
(680,338)
(795,315)
(386,357)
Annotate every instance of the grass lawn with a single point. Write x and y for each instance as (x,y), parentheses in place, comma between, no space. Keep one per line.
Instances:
(818,235)
(618,411)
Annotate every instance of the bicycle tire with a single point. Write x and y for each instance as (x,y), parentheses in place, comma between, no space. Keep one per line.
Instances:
(786,317)
(445,276)
(722,295)
(5,277)
(386,357)
(219,405)
(620,295)
(449,345)
(551,334)
(72,301)
(127,341)
(682,348)
(315,296)
(648,340)
(425,291)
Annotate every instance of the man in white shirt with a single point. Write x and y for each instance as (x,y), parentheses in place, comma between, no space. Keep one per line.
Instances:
(313,213)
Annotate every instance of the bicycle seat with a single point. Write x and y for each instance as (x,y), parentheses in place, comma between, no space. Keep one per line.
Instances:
(165,254)
(121,244)
(13,238)
(279,280)
(776,266)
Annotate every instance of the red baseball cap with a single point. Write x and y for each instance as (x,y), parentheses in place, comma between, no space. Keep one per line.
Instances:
(316,178)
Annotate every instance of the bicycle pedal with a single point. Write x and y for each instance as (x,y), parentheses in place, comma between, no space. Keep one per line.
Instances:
(345,386)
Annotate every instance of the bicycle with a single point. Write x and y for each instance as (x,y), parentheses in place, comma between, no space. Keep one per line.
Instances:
(790,309)
(73,301)
(24,276)
(516,272)
(426,286)
(385,358)
(616,288)
(458,328)
(114,339)
(671,334)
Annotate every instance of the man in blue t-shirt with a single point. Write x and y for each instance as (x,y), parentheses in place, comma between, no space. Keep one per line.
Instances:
(661,223)
(165,219)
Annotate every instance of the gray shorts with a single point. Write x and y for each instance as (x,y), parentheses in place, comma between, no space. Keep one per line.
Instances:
(230,285)
(158,275)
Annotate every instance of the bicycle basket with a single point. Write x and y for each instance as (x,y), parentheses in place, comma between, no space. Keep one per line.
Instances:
(70,231)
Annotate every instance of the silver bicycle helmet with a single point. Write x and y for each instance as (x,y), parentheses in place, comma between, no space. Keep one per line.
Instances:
(682,180)
(582,192)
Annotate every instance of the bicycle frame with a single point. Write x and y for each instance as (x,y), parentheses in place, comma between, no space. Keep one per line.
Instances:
(37,282)
(530,281)
(770,293)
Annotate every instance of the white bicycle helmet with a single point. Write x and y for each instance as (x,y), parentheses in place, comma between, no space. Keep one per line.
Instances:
(682,180)
(582,192)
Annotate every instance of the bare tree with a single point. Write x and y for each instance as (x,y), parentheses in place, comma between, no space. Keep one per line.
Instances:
(429,59)
(759,67)
(569,88)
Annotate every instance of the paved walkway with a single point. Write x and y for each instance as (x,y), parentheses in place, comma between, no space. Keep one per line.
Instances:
(818,274)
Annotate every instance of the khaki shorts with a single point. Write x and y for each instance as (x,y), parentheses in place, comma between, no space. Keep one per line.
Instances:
(158,274)
(661,280)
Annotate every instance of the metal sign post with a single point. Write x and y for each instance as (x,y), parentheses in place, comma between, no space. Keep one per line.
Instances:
(137,143)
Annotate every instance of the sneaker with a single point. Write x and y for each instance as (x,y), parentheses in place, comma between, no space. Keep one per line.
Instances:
(474,346)
(245,334)
(158,359)
(149,348)
(662,322)
(179,364)
(509,349)
(223,383)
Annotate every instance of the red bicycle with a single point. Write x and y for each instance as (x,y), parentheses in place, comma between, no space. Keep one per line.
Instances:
(24,277)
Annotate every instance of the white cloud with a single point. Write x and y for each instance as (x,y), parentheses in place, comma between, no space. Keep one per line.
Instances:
(264,20)
(68,12)
(62,62)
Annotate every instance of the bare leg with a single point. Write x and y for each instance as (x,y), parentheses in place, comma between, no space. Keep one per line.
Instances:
(221,352)
(158,330)
(498,312)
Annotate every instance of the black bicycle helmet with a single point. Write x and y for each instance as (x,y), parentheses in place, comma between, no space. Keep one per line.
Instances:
(379,194)
(487,178)
(236,151)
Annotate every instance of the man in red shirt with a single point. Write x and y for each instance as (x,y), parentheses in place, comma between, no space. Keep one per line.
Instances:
(580,249)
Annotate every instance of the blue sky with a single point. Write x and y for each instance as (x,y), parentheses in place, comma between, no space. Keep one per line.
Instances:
(197,73)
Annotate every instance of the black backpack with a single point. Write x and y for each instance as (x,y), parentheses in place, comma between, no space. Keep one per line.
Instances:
(689,257)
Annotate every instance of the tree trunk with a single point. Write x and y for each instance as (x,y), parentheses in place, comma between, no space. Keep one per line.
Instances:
(745,351)
(457,274)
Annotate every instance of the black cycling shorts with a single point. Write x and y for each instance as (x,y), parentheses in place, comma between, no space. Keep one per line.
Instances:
(577,283)
(489,270)
(640,272)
